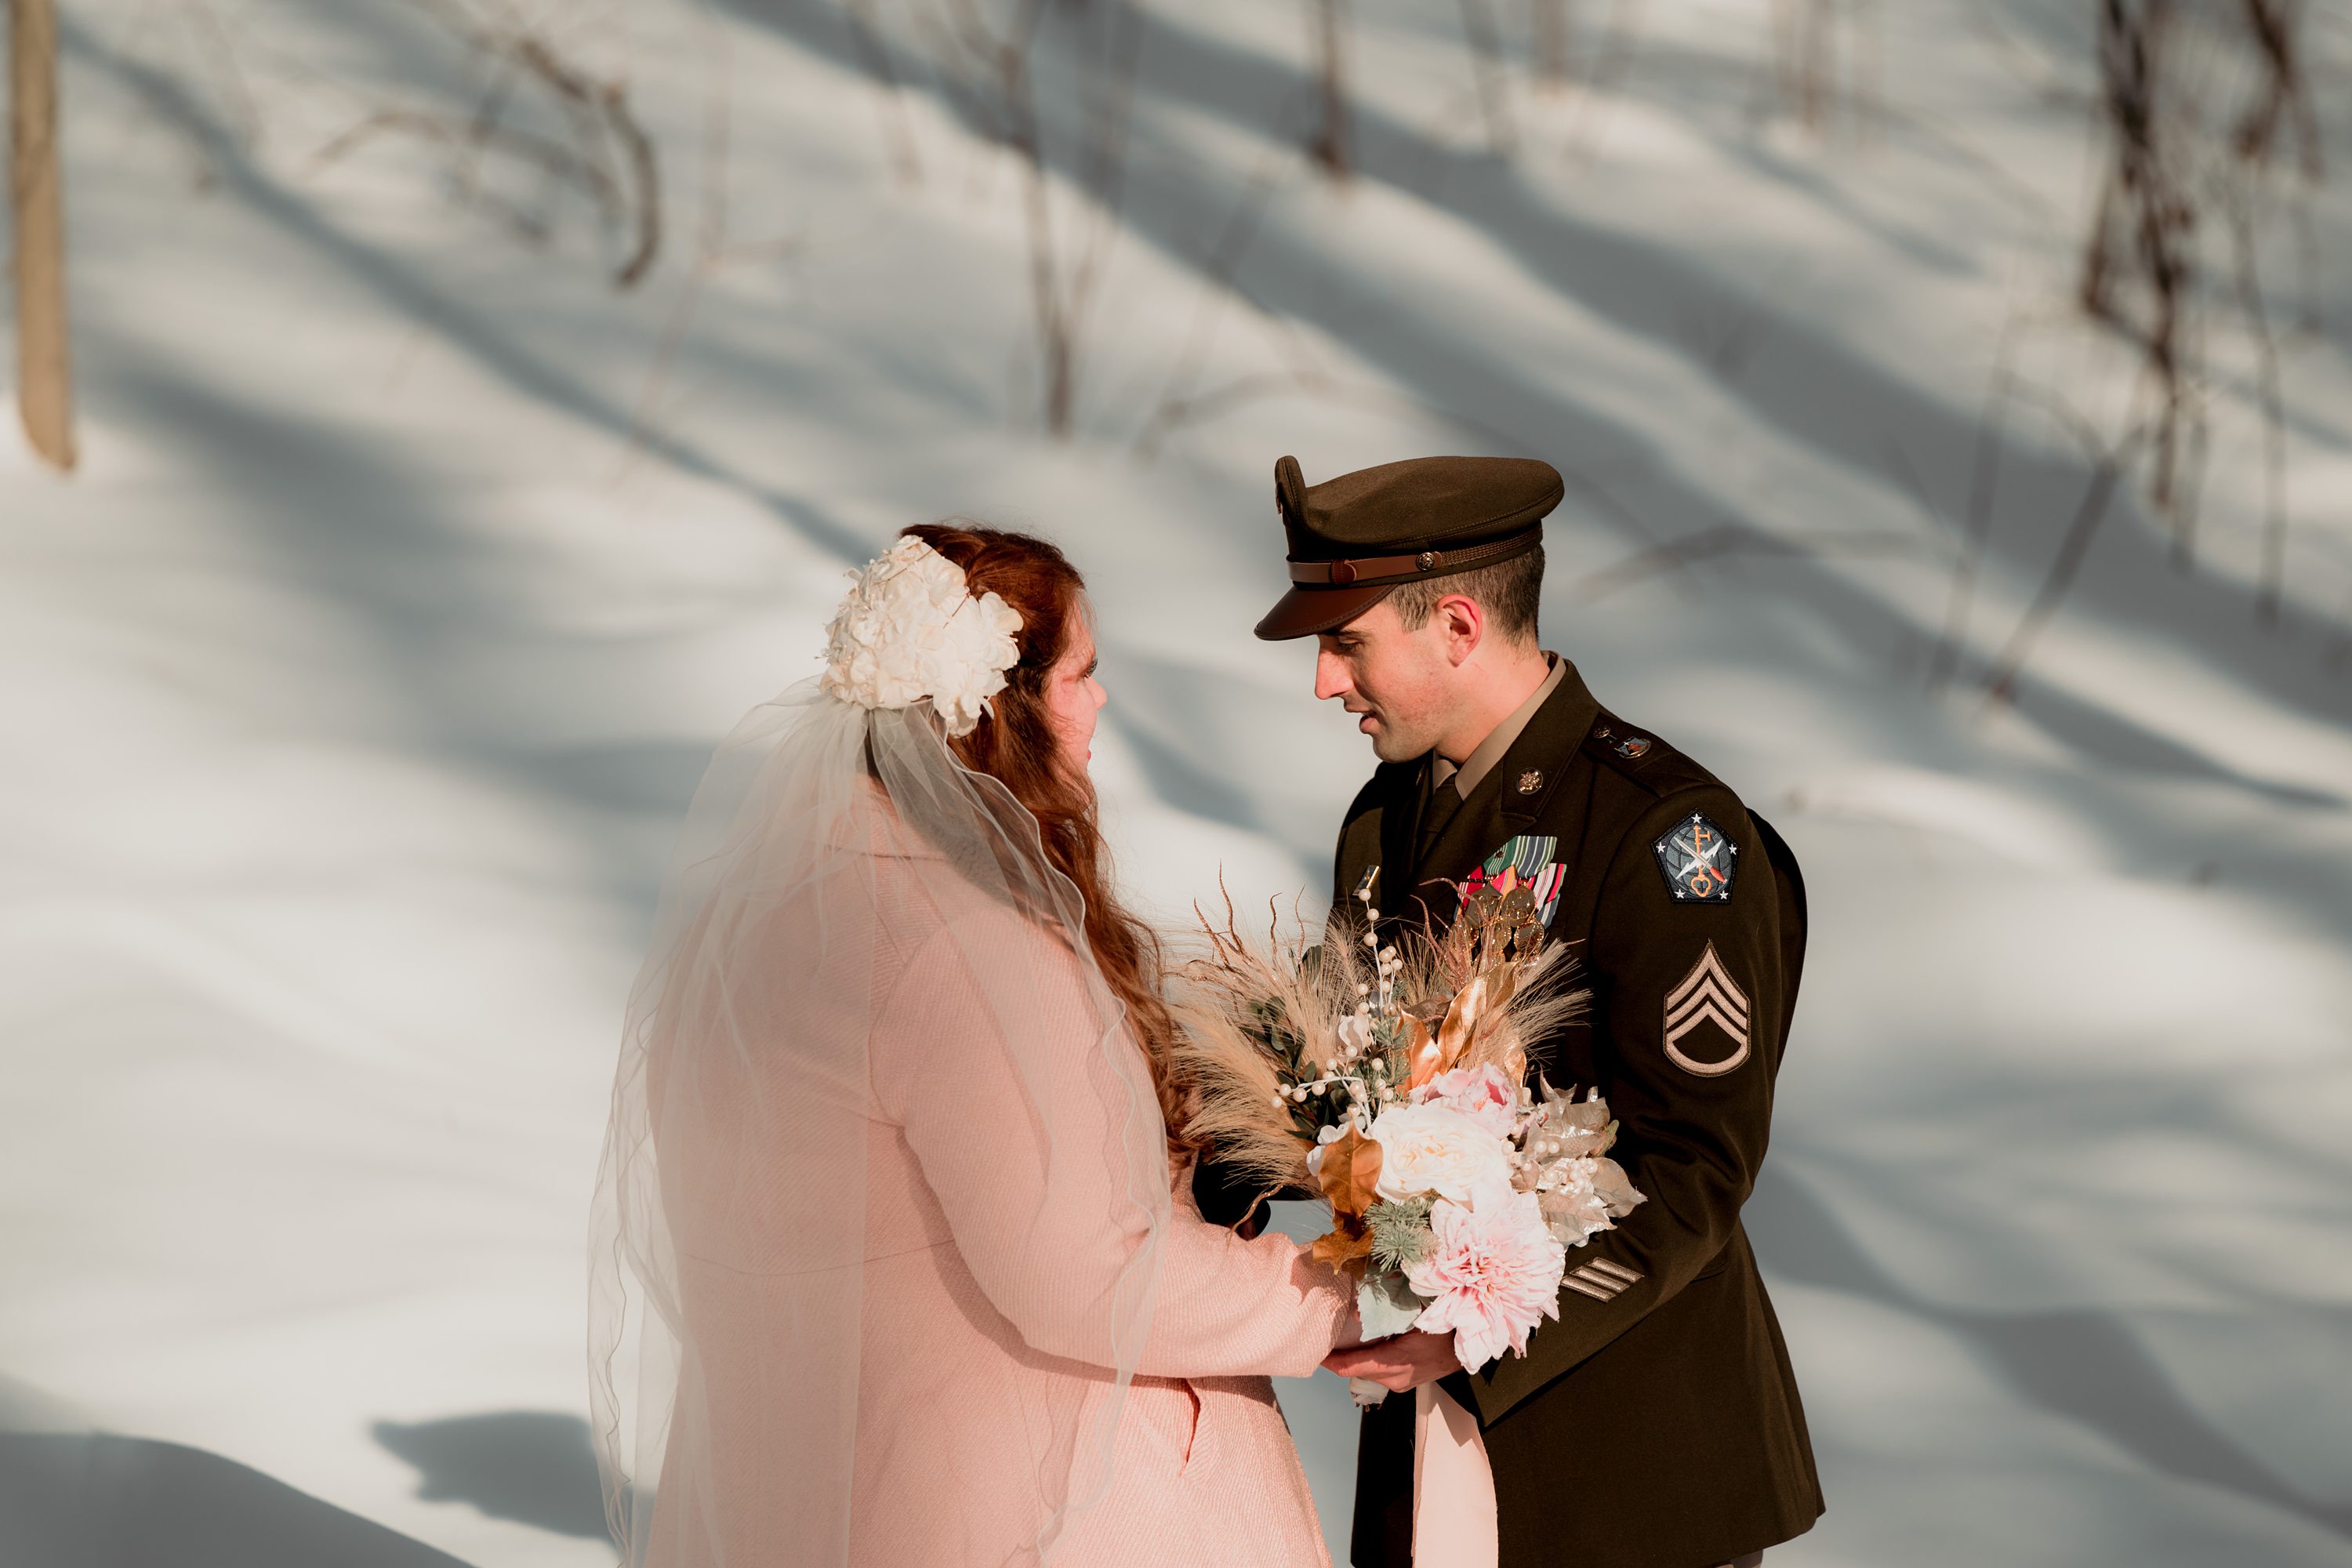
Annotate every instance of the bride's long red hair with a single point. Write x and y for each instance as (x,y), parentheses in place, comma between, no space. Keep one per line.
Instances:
(1015,745)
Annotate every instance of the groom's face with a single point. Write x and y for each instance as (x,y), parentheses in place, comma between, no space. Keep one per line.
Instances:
(1398,683)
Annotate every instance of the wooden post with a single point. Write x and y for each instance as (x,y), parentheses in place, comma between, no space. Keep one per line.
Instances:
(43,347)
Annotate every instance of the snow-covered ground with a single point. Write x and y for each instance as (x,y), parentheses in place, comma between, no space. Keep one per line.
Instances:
(355,685)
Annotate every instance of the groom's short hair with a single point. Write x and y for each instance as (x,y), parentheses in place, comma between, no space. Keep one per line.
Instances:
(1508,591)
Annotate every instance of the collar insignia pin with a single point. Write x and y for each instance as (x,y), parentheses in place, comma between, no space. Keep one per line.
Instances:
(1532,781)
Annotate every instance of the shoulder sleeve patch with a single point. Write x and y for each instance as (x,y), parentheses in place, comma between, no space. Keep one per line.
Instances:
(1697,860)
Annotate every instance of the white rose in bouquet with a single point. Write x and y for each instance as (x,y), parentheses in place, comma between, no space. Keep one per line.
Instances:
(1434,1150)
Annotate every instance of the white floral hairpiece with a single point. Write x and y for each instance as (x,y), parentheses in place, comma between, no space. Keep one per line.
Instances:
(911,628)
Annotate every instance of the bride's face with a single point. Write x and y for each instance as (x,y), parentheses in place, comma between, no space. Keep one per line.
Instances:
(1073,696)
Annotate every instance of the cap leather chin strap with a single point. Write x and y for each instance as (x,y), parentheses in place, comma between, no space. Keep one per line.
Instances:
(1375,571)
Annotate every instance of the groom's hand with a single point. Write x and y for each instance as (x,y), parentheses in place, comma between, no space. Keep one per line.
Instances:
(1400,1363)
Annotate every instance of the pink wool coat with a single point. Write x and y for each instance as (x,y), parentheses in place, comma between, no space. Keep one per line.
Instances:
(983,1268)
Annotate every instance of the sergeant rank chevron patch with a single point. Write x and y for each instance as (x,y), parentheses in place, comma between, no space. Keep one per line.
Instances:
(1708,995)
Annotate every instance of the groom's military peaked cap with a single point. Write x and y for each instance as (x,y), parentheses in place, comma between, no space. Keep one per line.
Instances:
(1354,539)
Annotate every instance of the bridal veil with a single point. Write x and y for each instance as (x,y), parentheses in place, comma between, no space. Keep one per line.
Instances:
(729,1263)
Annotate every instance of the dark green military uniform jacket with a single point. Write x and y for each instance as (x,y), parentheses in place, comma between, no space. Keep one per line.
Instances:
(1655,1425)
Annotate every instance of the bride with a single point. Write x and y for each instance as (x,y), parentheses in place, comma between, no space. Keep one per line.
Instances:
(889,1265)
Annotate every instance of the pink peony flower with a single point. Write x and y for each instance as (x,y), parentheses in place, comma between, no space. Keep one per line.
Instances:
(1481,1093)
(1492,1274)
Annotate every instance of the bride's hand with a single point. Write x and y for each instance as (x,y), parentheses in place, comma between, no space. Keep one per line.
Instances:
(1400,1363)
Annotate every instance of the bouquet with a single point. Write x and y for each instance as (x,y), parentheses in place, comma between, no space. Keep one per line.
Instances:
(1393,1078)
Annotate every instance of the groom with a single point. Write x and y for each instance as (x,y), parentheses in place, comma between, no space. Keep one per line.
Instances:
(1656,1423)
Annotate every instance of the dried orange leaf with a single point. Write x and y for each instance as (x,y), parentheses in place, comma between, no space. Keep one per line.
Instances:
(1349,1173)
(1461,1023)
(1420,1047)
(1344,1248)
(1501,982)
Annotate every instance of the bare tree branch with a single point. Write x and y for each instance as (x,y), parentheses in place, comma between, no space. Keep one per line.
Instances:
(1547,22)
(1062,271)
(897,130)
(608,157)
(1983,480)
(1487,75)
(2142,264)
(1330,147)
(2271,588)
(2108,469)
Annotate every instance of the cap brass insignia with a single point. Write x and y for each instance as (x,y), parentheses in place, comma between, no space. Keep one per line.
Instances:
(1532,781)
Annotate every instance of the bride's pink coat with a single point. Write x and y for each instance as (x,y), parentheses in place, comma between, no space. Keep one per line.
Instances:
(983,1277)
